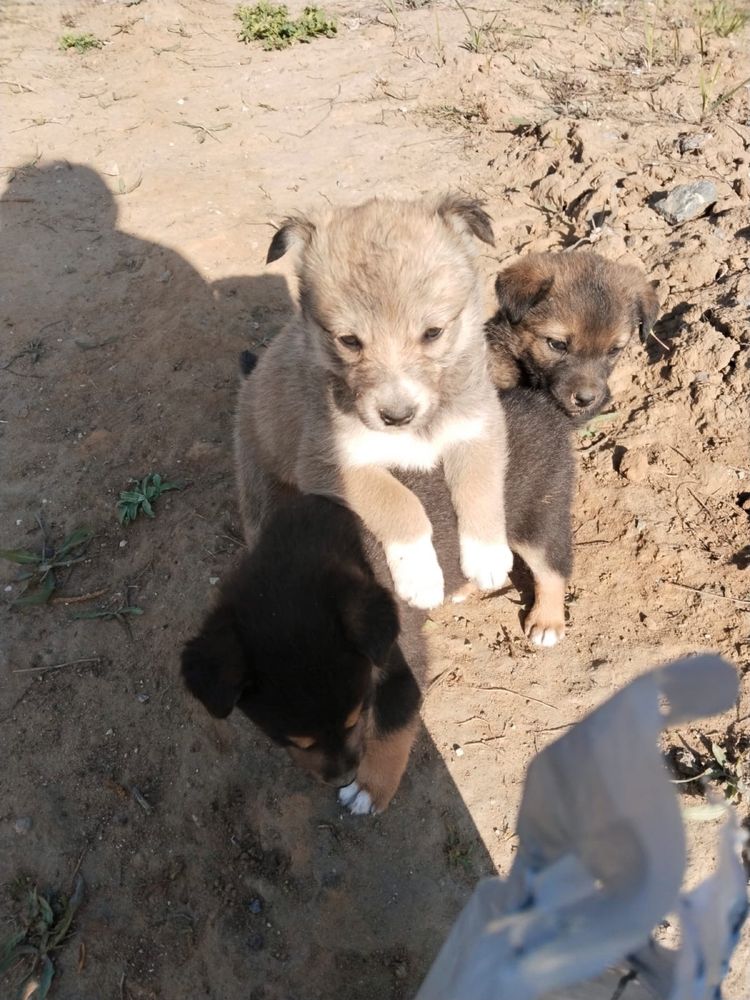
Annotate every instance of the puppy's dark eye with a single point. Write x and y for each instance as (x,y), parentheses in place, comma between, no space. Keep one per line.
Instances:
(434,333)
(557,345)
(614,351)
(351,342)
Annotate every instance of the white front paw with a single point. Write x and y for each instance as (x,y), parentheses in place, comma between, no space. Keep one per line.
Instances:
(416,572)
(356,800)
(486,563)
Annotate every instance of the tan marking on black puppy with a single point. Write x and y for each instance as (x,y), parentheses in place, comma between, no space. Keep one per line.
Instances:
(385,368)
(380,771)
(562,322)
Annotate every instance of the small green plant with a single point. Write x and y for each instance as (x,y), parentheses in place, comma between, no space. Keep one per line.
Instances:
(724,762)
(720,19)
(439,44)
(141,499)
(39,579)
(479,36)
(81,43)
(649,39)
(723,19)
(709,103)
(595,425)
(390,6)
(457,851)
(45,926)
(271,24)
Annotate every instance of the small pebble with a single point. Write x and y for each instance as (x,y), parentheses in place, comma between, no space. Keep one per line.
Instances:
(255,905)
(123,543)
(689,143)
(213,580)
(22,825)
(687,201)
(143,697)
(459,752)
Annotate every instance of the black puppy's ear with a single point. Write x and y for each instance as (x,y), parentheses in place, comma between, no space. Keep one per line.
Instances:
(214,667)
(470,213)
(647,309)
(293,230)
(520,287)
(370,618)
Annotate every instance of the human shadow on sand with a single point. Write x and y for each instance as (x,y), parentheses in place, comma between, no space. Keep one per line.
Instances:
(244,879)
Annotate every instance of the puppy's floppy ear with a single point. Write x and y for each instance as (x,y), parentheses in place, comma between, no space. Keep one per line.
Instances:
(647,309)
(294,229)
(469,212)
(520,287)
(369,617)
(214,666)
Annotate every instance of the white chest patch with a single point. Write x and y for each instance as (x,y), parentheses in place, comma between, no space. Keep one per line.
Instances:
(359,446)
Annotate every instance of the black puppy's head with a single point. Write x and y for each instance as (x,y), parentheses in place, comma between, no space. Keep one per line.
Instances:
(298,638)
(566,317)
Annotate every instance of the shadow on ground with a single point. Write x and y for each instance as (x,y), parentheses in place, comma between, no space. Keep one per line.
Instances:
(241,879)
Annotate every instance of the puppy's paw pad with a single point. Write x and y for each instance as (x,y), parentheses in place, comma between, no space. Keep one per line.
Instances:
(544,634)
(417,577)
(486,563)
(356,800)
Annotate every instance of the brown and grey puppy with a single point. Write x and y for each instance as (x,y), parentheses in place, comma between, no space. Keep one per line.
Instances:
(562,322)
(384,368)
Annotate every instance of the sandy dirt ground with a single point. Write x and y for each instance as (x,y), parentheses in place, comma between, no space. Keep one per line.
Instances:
(138,186)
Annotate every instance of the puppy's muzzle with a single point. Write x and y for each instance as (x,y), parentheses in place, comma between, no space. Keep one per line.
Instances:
(397,416)
(397,402)
(584,397)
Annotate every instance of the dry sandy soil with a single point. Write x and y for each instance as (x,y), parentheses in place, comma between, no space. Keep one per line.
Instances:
(138,184)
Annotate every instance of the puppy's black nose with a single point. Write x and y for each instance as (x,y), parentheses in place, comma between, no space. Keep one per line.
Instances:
(397,417)
(584,397)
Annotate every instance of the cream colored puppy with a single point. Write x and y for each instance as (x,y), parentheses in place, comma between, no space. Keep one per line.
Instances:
(384,368)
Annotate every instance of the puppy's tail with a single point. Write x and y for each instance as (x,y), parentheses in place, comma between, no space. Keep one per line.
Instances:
(248,361)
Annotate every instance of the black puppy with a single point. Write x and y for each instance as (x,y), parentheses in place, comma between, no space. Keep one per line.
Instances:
(304,641)
(305,638)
